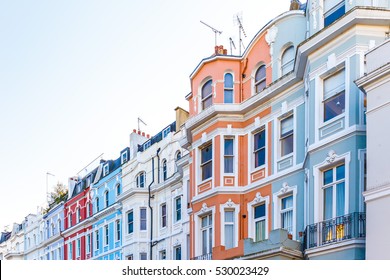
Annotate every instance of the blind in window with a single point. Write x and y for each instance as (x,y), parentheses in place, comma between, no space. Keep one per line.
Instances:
(334,84)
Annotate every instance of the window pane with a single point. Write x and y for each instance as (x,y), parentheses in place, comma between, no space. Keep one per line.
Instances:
(334,106)
(259,139)
(207,89)
(228,164)
(328,203)
(287,145)
(228,96)
(287,126)
(229,216)
(229,236)
(287,202)
(207,154)
(288,60)
(207,102)
(340,199)
(260,211)
(340,172)
(260,86)
(260,73)
(207,170)
(204,242)
(228,146)
(260,230)
(328,176)
(287,220)
(228,80)
(260,157)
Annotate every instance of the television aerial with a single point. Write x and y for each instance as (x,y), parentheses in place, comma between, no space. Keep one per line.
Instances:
(216,31)
(237,18)
(231,45)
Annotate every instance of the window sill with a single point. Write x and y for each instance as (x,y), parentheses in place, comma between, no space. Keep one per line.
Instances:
(258,168)
(335,119)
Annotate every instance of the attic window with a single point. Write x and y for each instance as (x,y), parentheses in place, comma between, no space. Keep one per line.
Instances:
(105,169)
(124,157)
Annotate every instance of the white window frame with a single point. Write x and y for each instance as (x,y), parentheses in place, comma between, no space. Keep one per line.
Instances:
(88,243)
(118,230)
(105,169)
(255,83)
(106,199)
(211,95)
(230,206)
(202,164)
(287,64)
(252,143)
(162,254)
(258,200)
(285,191)
(198,227)
(138,180)
(175,248)
(124,157)
(78,215)
(163,218)
(140,219)
(106,235)
(232,156)
(175,213)
(97,241)
(78,248)
(281,139)
(128,223)
(70,251)
(332,159)
(227,88)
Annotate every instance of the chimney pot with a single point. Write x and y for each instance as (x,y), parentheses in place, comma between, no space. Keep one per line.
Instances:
(134,130)
(143,134)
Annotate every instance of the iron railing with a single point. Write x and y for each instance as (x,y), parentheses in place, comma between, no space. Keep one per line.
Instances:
(335,230)
(208,256)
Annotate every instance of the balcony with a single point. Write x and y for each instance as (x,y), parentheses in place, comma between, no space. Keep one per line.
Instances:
(204,257)
(350,226)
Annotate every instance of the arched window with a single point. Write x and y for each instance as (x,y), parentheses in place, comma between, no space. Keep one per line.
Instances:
(69,220)
(287,61)
(260,79)
(140,180)
(118,189)
(178,155)
(52,229)
(106,201)
(59,225)
(207,96)
(228,88)
(97,205)
(164,169)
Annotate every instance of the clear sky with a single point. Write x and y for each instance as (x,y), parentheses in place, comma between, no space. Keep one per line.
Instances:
(75,75)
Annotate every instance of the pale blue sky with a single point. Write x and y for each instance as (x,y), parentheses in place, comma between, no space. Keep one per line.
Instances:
(76,74)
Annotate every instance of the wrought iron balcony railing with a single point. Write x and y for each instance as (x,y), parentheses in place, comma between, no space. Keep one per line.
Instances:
(342,228)
(208,256)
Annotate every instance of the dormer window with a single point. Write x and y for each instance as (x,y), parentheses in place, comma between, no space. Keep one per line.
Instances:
(260,79)
(105,169)
(207,96)
(124,157)
(333,10)
(89,180)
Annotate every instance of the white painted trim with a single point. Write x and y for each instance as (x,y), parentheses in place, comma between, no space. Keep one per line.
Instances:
(232,206)
(250,208)
(317,175)
(285,191)
(205,210)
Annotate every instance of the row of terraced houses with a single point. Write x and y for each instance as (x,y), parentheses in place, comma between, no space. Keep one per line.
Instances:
(269,161)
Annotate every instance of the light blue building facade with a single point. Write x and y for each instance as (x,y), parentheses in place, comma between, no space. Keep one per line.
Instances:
(54,225)
(106,237)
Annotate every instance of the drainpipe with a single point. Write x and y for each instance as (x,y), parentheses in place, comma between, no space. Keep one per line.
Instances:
(158,165)
(150,207)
